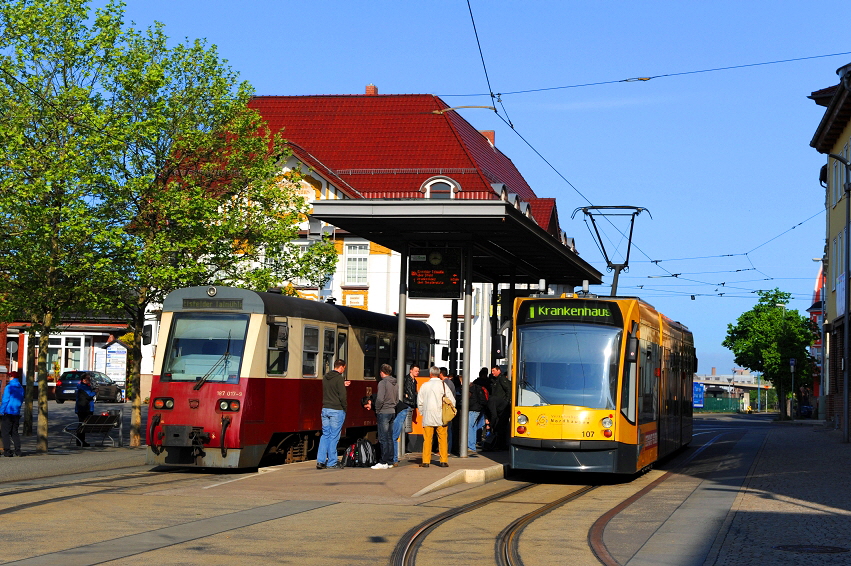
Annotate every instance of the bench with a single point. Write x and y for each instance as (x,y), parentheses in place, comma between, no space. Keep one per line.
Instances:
(94,424)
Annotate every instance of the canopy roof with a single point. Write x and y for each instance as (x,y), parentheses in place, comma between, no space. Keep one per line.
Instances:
(505,241)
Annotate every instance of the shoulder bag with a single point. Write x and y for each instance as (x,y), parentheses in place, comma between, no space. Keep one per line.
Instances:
(449,410)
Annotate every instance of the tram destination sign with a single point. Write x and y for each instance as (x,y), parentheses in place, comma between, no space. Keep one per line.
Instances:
(230,304)
(596,312)
(435,273)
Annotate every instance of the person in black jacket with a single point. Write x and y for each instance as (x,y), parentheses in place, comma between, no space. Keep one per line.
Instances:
(334,404)
(499,406)
(478,408)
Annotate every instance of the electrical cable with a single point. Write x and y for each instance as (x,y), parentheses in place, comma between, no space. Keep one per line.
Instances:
(664,75)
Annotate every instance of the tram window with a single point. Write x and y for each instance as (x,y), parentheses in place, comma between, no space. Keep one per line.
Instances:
(310,351)
(328,351)
(370,350)
(277,356)
(410,352)
(649,385)
(423,356)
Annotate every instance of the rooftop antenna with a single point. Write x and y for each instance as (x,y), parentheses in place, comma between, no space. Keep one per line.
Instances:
(606,211)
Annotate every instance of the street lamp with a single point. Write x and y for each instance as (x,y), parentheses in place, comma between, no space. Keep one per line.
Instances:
(845,326)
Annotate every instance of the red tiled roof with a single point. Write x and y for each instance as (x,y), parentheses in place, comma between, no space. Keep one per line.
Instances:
(544,211)
(386,146)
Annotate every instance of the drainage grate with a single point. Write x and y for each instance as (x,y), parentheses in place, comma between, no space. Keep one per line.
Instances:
(812,549)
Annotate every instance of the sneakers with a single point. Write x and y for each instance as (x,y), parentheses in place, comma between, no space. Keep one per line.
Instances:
(380,466)
(320,466)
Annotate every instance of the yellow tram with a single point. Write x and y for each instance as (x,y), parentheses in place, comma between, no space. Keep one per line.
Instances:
(599,384)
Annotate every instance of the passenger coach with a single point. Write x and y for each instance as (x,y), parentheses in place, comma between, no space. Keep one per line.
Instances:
(600,385)
(238,374)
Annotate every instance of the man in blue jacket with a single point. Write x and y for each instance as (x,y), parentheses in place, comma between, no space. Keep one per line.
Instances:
(10,409)
(85,404)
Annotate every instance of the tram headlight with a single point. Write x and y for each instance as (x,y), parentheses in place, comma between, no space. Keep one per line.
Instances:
(522,419)
(521,430)
(607,422)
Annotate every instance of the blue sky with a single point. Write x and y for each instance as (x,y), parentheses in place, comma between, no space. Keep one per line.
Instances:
(720,159)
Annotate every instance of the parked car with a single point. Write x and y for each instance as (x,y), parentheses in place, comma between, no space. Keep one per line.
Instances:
(107,390)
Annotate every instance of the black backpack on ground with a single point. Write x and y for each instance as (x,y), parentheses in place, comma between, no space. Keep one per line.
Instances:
(349,457)
(365,456)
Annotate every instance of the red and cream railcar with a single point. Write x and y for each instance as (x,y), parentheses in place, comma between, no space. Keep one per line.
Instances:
(238,374)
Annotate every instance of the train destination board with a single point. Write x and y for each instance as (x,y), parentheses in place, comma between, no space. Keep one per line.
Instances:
(549,310)
(435,273)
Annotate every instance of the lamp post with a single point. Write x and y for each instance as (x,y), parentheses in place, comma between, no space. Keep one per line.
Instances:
(845,325)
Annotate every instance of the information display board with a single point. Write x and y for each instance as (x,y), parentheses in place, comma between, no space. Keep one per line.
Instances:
(699,390)
(435,273)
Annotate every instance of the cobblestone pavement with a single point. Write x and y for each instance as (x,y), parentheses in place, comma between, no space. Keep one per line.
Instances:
(797,495)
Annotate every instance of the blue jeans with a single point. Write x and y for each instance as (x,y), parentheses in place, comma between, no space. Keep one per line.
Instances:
(332,424)
(398,427)
(385,437)
(476,421)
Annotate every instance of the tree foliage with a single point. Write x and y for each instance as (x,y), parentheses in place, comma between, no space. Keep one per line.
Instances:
(768,336)
(130,167)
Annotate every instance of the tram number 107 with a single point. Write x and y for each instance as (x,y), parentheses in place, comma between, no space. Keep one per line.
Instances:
(587,433)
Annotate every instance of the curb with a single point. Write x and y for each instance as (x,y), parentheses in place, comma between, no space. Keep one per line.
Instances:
(486,475)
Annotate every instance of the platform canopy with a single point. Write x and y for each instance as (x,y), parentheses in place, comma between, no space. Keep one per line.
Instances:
(504,241)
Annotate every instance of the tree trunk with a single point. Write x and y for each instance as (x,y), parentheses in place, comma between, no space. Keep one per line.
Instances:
(30,383)
(136,370)
(43,345)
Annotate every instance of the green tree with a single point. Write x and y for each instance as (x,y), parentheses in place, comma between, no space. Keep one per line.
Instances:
(766,337)
(56,133)
(201,193)
(131,168)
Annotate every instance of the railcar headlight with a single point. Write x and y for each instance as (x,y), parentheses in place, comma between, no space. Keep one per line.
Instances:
(234,405)
(169,403)
(607,422)
(522,419)
(223,405)
(163,403)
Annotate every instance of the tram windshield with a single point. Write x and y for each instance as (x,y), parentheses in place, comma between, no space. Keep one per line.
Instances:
(568,364)
(205,347)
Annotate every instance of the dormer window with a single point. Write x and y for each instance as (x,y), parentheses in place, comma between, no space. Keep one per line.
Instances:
(440,187)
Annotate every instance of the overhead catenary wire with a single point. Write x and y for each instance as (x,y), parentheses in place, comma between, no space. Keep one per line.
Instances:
(649,78)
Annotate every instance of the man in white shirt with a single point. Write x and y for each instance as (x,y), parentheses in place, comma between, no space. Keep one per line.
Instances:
(430,405)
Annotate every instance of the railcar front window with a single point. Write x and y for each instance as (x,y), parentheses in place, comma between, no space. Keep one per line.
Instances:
(206,346)
(568,364)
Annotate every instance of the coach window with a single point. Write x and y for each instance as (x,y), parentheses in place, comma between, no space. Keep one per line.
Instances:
(370,350)
(328,350)
(310,350)
(341,347)
(385,351)
(277,356)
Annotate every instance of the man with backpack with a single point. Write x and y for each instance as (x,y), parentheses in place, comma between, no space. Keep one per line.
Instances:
(403,408)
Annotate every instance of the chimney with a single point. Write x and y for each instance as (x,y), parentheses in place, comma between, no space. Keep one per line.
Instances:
(713,371)
(491,135)
(371,90)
